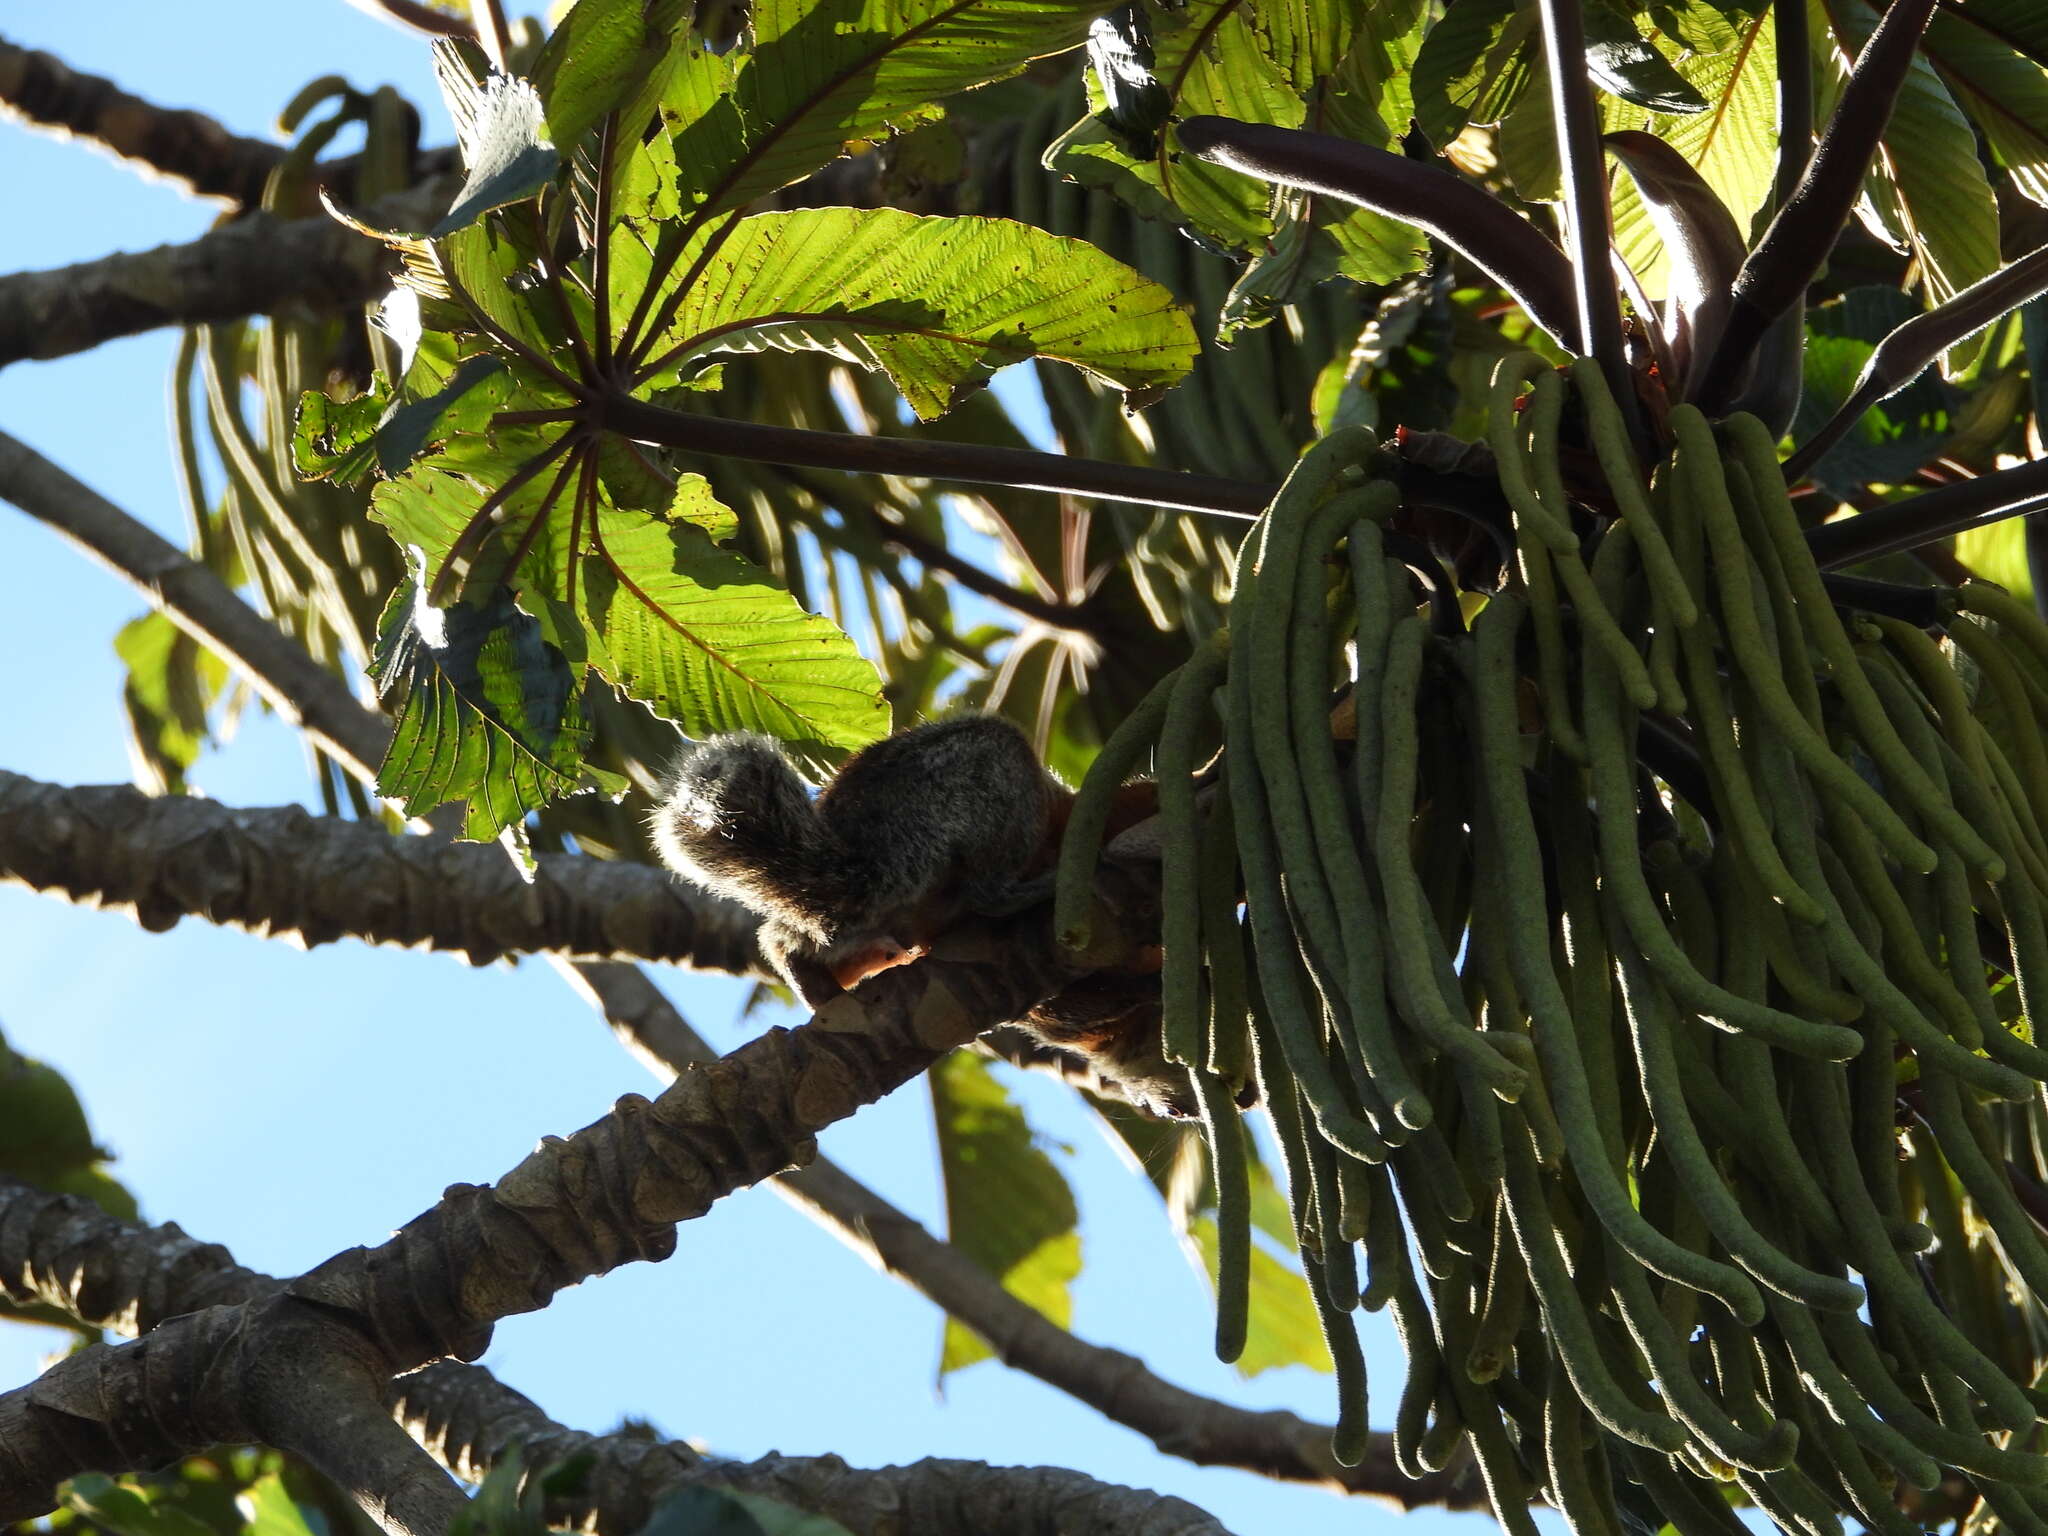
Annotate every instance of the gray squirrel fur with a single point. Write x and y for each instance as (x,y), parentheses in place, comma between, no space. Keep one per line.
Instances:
(946,819)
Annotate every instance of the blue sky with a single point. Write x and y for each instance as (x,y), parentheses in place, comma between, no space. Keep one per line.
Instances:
(290,1104)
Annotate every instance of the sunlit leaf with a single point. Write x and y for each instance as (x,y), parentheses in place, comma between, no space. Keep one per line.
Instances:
(502,128)
(1732,144)
(705,639)
(485,710)
(1474,66)
(826,74)
(1209,59)
(938,303)
(1927,192)
(2003,90)
(598,55)
(171,685)
(1898,435)
(1007,1205)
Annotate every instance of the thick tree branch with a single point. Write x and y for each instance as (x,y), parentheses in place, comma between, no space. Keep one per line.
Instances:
(42,91)
(51,1244)
(470,1420)
(319,878)
(255,265)
(305,1370)
(1198,1429)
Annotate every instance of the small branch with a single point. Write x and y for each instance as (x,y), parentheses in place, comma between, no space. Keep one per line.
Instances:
(1803,233)
(1489,234)
(1791,38)
(1908,351)
(1181,1423)
(417,17)
(1932,515)
(977,464)
(255,265)
(318,878)
(1577,120)
(199,603)
(40,90)
(470,1421)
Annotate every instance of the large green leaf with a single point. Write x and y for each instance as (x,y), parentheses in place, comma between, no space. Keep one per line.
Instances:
(2004,91)
(938,303)
(2021,24)
(1475,64)
(705,639)
(1927,192)
(1008,1206)
(825,74)
(486,711)
(1732,144)
(171,686)
(1896,436)
(598,55)
(1210,60)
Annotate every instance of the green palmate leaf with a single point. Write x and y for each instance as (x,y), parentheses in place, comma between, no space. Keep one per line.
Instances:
(1894,438)
(502,129)
(1368,101)
(704,638)
(1007,1206)
(1927,192)
(463,403)
(599,55)
(826,74)
(430,506)
(1624,64)
(938,303)
(172,683)
(336,439)
(1307,38)
(272,1511)
(2021,23)
(1475,64)
(1210,59)
(1731,144)
(486,711)
(2003,90)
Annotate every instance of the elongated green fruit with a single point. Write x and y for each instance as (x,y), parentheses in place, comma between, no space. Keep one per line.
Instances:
(1626,480)
(1353,1432)
(1511,376)
(1410,927)
(1224,1134)
(1650,1023)
(1699,459)
(1556,1029)
(1081,847)
(1597,623)
(1564,1314)
(1298,1035)
(1325,872)
(1180,920)
(1611,759)
(1759,460)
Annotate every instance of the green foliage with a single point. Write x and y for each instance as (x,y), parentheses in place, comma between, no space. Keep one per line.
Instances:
(1007,1204)
(709,1511)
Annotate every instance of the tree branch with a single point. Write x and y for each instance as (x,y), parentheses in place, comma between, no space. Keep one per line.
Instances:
(319,878)
(466,1418)
(302,1369)
(1181,1423)
(255,265)
(40,90)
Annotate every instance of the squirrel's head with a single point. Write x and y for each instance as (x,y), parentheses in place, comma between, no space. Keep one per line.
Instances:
(725,803)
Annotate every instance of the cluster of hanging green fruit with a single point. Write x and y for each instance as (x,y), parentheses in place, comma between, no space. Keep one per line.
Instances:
(1640,977)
